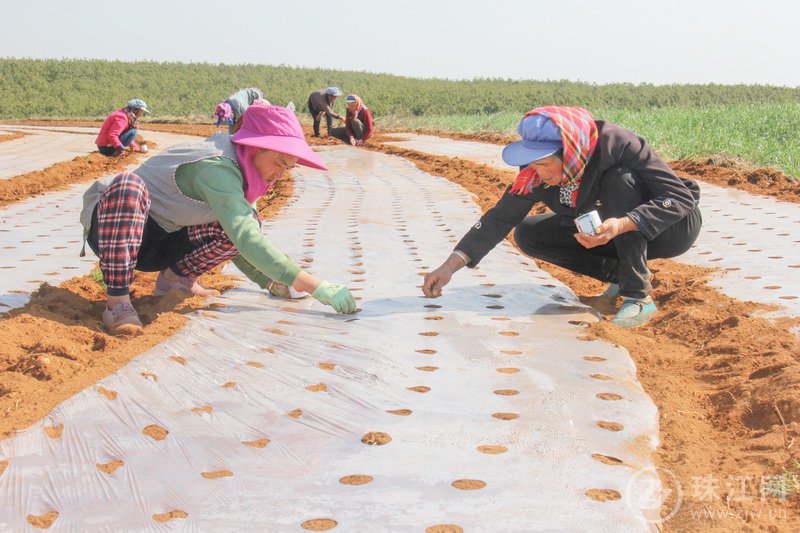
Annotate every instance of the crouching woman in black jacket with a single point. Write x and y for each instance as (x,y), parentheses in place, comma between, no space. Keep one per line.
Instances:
(575,165)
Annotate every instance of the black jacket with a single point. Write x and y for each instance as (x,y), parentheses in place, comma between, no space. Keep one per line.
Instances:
(669,197)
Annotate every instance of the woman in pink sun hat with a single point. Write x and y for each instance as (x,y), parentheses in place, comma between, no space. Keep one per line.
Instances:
(192,207)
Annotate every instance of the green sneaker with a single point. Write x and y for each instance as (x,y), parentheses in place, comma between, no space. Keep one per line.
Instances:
(635,312)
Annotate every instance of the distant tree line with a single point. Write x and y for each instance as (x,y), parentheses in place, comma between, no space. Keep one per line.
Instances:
(91,88)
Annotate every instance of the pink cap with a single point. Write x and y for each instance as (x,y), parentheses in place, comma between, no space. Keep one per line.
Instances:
(276,128)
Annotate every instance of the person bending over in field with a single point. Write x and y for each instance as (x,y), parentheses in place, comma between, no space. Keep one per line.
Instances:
(120,129)
(190,208)
(574,165)
(357,123)
(223,112)
(321,103)
(231,110)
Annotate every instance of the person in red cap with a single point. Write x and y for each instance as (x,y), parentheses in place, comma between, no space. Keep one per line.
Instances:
(190,208)
(575,165)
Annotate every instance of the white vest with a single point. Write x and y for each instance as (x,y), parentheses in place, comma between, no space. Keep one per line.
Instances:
(169,207)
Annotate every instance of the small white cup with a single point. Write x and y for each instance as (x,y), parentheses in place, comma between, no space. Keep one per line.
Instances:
(588,222)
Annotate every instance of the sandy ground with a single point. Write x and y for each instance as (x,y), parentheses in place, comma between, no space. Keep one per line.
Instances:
(10,136)
(725,381)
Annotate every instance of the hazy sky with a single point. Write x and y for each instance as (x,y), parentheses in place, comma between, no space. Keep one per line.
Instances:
(672,41)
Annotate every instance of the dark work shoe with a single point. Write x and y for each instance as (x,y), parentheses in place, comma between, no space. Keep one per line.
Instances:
(611,292)
(605,303)
(121,319)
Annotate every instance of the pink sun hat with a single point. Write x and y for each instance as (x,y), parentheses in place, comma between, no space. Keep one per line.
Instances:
(276,128)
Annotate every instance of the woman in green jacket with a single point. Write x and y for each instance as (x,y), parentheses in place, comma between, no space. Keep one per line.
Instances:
(190,208)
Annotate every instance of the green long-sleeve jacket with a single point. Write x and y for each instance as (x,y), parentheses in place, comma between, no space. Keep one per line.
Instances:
(218,182)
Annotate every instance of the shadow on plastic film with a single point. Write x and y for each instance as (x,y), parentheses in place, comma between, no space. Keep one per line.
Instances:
(512,300)
(10,301)
(233,303)
(477,300)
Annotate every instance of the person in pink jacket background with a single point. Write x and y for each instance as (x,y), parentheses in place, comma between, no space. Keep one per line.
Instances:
(358,124)
(120,129)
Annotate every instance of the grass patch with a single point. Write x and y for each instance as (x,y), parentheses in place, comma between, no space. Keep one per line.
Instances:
(784,485)
(97,276)
(765,135)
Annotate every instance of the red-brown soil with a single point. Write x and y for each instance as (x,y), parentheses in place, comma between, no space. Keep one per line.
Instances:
(478,136)
(61,175)
(725,381)
(727,172)
(10,136)
(56,345)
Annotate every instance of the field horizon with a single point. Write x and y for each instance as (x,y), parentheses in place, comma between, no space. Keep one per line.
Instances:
(755,123)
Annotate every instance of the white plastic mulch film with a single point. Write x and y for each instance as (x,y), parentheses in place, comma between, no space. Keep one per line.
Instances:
(38,148)
(752,239)
(481,409)
(43,146)
(480,152)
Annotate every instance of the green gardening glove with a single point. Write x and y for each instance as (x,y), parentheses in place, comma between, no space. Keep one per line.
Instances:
(337,296)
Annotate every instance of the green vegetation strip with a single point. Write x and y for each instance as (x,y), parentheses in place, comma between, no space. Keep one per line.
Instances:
(765,135)
(757,123)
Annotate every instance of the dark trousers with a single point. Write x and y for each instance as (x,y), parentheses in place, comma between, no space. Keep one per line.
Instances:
(550,237)
(341,133)
(126,138)
(316,115)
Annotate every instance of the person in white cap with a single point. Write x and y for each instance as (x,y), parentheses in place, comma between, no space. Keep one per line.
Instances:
(576,165)
(320,103)
(192,207)
(120,129)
